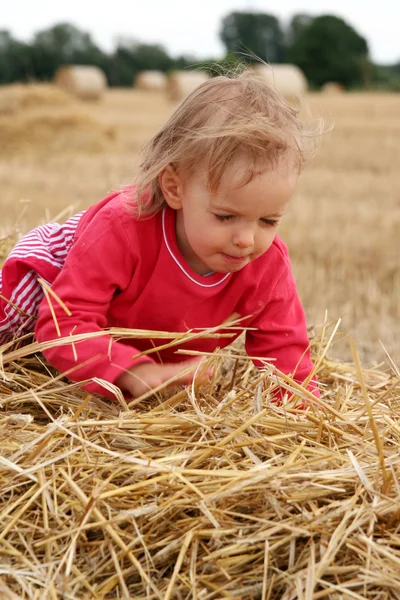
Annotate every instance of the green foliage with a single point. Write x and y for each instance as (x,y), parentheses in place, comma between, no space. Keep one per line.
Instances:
(298,23)
(14,59)
(251,33)
(150,57)
(186,62)
(131,57)
(62,44)
(135,57)
(386,77)
(328,49)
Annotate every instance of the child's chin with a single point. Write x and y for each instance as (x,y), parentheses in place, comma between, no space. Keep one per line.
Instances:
(235,268)
(231,269)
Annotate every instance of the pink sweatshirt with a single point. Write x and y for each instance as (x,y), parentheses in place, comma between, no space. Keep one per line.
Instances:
(124,272)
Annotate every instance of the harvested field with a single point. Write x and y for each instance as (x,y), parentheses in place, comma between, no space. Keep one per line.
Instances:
(342,227)
(214,492)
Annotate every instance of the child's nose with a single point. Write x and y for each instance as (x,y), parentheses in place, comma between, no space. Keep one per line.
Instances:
(244,238)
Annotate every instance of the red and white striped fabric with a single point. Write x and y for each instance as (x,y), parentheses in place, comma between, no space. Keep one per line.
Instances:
(39,254)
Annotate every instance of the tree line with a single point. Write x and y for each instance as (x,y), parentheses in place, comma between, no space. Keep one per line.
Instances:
(325,47)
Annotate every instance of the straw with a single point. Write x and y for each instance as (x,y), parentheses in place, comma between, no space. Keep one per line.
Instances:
(206,492)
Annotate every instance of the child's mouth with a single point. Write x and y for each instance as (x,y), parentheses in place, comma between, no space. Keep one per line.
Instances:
(235,259)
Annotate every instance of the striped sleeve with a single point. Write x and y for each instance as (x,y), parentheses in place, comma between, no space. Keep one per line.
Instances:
(41,253)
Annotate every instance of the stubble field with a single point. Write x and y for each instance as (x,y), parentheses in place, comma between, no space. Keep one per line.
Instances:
(59,156)
(211,491)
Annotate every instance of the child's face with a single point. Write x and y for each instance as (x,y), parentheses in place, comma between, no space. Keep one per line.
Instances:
(224,231)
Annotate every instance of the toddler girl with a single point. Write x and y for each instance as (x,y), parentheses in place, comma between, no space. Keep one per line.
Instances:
(191,244)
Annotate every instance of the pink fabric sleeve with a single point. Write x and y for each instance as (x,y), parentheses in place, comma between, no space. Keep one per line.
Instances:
(282,334)
(99,264)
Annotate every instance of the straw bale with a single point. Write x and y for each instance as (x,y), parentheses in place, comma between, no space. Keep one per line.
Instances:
(288,79)
(182,83)
(83,81)
(332,87)
(151,80)
(207,492)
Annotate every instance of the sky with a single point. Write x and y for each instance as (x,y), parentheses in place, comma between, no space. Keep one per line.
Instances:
(191,26)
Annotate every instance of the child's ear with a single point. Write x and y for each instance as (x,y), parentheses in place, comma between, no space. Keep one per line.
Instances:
(171,187)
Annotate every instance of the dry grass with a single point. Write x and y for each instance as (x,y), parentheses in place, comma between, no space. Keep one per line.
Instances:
(17,97)
(207,493)
(213,492)
(42,120)
(342,228)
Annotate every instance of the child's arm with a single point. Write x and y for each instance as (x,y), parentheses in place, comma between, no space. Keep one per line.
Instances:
(281,333)
(99,264)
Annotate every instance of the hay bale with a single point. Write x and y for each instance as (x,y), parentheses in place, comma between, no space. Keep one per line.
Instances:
(287,79)
(182,83)
(151,80)
(83,81)
(332,87)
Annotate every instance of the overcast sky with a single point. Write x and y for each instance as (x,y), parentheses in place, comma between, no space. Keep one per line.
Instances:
(191,27)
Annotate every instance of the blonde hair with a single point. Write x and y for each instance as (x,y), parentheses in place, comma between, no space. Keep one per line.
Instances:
(222,119)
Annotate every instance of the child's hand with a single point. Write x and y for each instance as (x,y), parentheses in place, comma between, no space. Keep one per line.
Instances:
(139,380)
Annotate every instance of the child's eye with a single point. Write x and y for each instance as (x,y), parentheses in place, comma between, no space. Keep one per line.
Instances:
(224,217)
(270,222)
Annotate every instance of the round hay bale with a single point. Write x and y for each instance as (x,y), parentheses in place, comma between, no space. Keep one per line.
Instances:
(332,87)
(85,82)
(151,80)
(287,79)
(181,83)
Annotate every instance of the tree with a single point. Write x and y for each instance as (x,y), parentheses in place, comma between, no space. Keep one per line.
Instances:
(14,60)
(185,61)
(130,57)
(63,44)
(150,57)
(386,77)
(251,32)
(297,24)
(329,49)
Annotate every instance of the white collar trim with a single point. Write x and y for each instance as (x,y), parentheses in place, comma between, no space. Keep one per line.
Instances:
(206,285)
